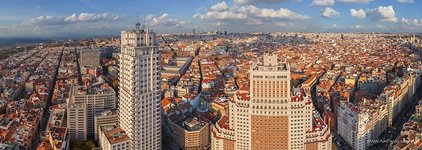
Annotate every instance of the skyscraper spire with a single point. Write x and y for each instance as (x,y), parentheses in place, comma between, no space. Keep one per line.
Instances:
(145,23)
(138,23)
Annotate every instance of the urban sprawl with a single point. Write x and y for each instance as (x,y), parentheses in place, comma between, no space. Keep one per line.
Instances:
(214,90)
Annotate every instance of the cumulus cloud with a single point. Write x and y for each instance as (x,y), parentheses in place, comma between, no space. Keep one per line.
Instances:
(358,13)
(323,2)
(85,17)
(74,18)
(247,14)
(74,24)
(44,20)
(329,13)
(355,1)
(244,2)
(406,1)
(220,6)
(411,22)
(164,20)
(281,13)
(382,13)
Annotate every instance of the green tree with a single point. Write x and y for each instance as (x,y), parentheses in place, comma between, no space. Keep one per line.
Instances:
(90,144)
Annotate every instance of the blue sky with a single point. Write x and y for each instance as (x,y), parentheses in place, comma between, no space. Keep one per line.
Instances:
(53,18)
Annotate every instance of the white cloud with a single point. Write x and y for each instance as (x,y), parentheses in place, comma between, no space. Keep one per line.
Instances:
(355,1)
(219,6)
(43,21)
(247,14)
(411,22)
(85,17)
(406,1)
(220,15)
(164,20)
(382,13)
(334,25)
(74,24)
(74,18)
(329,13)
(408,25)
(281,13)
(358,13)
(323,2)
(245,2)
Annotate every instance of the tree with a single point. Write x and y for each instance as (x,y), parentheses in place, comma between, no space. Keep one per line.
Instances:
(78,144)
(90,144)
(83,145)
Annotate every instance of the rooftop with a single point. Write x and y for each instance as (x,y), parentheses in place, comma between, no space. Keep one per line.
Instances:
(116,135)
(92,90)
(270,63)
(224,123)
(192,124)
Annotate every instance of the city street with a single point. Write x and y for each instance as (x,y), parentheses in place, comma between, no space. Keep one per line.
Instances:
(392,133)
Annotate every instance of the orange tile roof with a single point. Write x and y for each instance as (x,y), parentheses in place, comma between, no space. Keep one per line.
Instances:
(165,102)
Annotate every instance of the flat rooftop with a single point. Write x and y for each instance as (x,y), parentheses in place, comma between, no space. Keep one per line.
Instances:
(191,124)
(116,135)
(92,90)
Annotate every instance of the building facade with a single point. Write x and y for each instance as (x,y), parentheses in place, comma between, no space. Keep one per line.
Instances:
(140,88)
(77,121)
(361,125)
(192,134)
(113,138)
(269,116)
(106,117)
(97,99)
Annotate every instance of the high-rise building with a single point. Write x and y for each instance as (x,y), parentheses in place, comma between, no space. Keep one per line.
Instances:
(269,116)
(77,121)
(97,99)
(140,93)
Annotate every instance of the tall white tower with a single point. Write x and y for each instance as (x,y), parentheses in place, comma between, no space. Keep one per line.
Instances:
(140,99)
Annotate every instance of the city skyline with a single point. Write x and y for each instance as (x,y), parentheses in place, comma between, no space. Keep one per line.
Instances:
(211,75)
(87,18)
(213,91)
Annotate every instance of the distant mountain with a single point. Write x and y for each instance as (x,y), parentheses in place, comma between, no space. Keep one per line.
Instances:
(8,41)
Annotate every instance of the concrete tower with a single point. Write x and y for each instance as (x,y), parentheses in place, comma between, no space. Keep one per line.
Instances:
(140,100)
(269,116)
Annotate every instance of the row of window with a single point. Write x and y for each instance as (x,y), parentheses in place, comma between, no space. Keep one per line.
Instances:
(269,77)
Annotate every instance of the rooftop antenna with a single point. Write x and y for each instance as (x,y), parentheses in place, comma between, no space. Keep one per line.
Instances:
(145,23)
(138,23)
